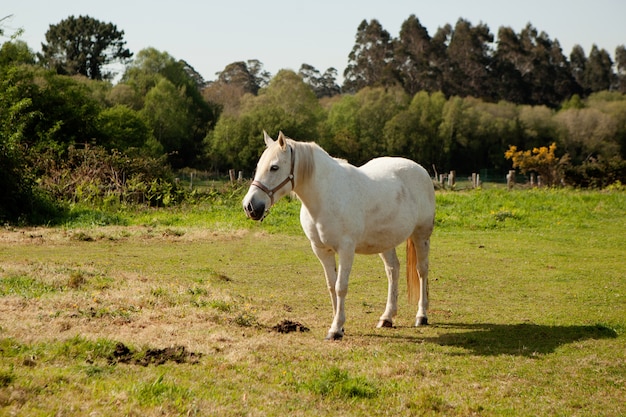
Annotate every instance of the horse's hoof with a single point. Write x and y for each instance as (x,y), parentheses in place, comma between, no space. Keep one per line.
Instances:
(421,321)
(384,323)
(331,336)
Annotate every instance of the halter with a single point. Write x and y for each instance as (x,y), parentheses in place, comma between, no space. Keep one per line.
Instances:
(271,192)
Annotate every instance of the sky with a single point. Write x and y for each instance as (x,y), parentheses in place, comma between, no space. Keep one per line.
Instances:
(284,34)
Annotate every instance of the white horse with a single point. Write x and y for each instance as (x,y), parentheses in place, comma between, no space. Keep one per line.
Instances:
(347,210)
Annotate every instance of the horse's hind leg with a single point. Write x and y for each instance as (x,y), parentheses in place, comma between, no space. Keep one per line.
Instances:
(392,268)
(422,247)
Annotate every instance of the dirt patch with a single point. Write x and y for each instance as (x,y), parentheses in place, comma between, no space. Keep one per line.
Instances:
(178,354)
(288,326)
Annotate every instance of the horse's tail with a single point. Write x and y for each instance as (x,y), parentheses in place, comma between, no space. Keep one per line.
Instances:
(412,275)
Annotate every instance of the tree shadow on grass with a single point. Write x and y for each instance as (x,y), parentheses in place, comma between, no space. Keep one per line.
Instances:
(516,339)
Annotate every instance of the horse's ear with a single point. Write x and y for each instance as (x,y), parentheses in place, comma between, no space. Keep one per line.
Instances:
(282,141)
(268,140)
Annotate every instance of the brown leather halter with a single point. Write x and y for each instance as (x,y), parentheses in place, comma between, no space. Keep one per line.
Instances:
(271,192)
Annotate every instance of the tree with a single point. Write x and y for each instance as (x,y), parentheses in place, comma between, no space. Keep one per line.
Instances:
(341,128)
(166,109)
(249,76)
(16,52)
(546,70)
(587,133)
(286,104)
(370,61)
(354,128)
(413,58)
(147,69)
(414,132)
(599,70)
(323,85)
(147,72)
(121,128)
(578,63)
(537,126)
(84,45)
(469,60)
(620,60)
(507,68)
(16,178)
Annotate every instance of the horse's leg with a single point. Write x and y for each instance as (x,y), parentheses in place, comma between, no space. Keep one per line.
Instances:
(327,259)
(346,257)
(392,268)
(422,247)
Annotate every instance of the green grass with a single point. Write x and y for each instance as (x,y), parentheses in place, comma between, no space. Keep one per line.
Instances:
(527,315)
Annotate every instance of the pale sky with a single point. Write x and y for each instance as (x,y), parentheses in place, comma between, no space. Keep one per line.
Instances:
(284,34)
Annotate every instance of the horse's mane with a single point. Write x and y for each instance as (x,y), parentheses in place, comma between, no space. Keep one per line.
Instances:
(305,155)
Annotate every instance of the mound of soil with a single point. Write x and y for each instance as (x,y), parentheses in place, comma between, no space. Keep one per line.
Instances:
(178,354)
(288,326)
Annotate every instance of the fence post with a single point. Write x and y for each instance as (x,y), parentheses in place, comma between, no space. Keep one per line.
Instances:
(533,179)
(510,179)
(240,176)
(451,179)
(231,174)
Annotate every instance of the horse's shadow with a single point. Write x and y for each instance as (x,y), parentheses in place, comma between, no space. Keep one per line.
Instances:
(513,339)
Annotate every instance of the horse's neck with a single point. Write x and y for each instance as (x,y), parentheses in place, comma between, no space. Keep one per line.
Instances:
(318,186)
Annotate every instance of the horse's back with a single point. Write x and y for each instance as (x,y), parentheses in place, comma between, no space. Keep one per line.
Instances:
(400,199)
(404,174)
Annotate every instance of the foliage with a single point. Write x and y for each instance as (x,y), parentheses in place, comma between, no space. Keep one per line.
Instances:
(250,76)
(451,101)
(370,59)
(324,85)
(286,104)
(597,173)
(525,68)
(169,100)
(83,45)
(121,127)
(94,175)
(355,125)
(541,160)
(21,200)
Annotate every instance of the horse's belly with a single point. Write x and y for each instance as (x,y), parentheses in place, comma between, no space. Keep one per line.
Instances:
(381,239)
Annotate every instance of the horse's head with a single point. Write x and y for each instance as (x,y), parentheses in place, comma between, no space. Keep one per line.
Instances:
(274,172)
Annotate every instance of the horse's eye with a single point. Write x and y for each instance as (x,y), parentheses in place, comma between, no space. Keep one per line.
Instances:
(274,168)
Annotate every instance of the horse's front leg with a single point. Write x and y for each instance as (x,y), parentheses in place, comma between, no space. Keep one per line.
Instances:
(346,257)
(392,268)
(327,259)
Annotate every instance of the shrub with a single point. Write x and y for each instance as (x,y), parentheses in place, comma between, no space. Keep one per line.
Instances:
(91,174)
(541,160)
(597,173)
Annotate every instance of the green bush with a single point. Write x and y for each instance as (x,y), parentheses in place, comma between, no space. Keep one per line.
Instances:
(93,175)
(597,173)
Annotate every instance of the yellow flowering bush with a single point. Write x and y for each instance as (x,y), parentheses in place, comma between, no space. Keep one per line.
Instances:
(541,160)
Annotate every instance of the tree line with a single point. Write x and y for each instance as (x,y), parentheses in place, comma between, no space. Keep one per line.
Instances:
(466,60)
(67,133)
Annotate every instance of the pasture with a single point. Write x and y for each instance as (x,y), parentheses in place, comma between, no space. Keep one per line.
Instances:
(180,312)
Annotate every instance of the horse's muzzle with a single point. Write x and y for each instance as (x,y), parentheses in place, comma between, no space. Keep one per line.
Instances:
(255,212)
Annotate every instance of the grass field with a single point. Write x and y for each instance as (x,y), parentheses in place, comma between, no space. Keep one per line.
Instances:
(176,311)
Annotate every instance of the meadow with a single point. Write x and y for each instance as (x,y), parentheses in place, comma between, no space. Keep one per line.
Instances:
(195,310)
